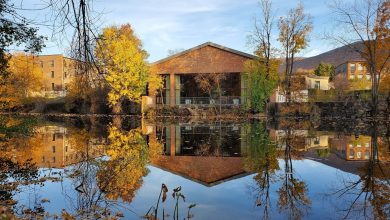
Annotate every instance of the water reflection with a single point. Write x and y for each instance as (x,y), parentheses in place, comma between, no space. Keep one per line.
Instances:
(370,193)
(103,169)
(207,154)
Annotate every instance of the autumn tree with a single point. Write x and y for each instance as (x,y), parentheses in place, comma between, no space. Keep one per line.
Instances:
(24,79)
(15,30)
(123,60)
(260,83)
(384,87)
(366,30)
(262,73)
(325,69)
(341,85)
(293,35)
(360,84)
(261,37)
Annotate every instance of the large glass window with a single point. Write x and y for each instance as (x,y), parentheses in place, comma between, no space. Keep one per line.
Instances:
(352,67)
(163,96)
(209,141)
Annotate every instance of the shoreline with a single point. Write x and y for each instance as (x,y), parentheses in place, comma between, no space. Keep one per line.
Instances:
(211,117)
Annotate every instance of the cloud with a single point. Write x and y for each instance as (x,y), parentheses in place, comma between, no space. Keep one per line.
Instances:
(171,24)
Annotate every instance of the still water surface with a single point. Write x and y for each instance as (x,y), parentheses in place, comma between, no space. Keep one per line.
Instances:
(104,167)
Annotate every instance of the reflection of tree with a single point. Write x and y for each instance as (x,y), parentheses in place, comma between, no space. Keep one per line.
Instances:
(293,192)
(261,158)
(370,194)
(100,182)
(13,175)
(128,152)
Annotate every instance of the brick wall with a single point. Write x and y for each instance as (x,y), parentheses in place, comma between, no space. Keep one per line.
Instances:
(57,70)
(207,59)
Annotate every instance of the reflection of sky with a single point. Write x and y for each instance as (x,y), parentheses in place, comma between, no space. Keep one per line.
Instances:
(228,200)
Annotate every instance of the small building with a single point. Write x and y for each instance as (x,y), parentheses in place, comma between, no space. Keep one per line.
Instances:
(180,70)
(317,82)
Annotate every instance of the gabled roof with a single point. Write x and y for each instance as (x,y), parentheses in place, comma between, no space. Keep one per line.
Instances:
(206,170)
(211,44)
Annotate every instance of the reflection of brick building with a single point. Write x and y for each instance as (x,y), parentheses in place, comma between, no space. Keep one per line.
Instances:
(56,151)
(351,147)
(52,148)
(186,154)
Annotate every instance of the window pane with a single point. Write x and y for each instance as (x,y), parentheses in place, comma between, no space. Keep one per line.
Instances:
(352,67)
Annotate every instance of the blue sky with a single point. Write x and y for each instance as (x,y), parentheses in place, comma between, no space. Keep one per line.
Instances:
(176,24)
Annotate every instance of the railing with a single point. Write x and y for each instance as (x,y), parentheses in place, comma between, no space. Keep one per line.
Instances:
(224,100)
(205,101)
(54,94)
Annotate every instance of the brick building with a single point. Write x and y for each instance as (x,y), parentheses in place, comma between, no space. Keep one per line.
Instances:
(347,62)
(179,71)
(58,72)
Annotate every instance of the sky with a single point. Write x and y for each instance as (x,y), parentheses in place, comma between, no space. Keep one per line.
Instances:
(164,25)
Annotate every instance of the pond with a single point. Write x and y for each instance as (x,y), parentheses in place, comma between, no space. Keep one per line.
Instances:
(129,168)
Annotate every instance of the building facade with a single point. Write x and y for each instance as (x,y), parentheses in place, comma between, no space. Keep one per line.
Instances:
(58,72)
(355,71)
(317,82)
(180,70)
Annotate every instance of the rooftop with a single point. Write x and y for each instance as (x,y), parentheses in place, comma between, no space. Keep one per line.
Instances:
(211,44)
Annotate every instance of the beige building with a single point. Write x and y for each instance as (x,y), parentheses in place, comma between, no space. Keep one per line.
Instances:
(58,72)
(317,82)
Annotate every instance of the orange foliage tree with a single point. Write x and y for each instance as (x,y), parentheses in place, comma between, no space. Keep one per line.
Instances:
(25,79)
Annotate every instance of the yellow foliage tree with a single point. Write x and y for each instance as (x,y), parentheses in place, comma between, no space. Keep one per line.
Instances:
(121,57)
(25,79)
(121,175)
